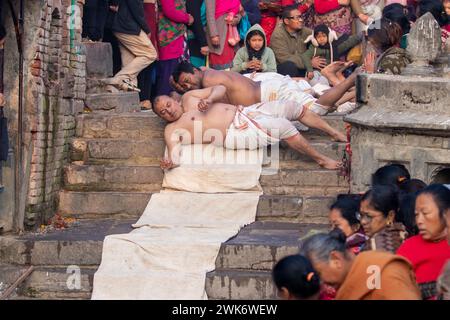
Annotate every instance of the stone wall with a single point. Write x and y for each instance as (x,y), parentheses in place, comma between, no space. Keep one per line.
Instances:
(54,92)
(402,119)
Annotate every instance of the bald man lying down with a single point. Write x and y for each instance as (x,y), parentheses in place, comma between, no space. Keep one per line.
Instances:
(235,127)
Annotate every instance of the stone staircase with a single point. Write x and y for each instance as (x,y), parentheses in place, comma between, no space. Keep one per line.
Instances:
(114,170)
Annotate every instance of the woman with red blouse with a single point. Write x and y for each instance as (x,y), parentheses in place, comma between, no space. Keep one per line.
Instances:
(429,250)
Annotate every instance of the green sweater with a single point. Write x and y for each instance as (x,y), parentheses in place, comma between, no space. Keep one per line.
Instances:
(241,58)
(326,53)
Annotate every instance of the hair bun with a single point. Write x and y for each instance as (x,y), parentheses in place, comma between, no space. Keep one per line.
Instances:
(338,235)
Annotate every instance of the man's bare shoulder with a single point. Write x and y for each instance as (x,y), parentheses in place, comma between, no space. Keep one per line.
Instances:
(213,77)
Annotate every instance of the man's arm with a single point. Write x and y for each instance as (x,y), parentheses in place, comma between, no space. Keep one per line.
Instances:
(172,139)
(207,96)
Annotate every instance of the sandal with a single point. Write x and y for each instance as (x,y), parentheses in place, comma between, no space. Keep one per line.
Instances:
(128,85)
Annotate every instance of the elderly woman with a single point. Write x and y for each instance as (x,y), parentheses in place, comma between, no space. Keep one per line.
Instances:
(371,275)
(377,215)
(428,251)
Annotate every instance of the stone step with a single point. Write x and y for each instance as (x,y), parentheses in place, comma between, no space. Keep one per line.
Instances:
(113,178)
(293,177)
(111,204)
(91,151)
(240,285)
(56,283)
(260,245)
(98,59)
(136,125)
(113,102)
(81,245)
(145,151)
(148,124)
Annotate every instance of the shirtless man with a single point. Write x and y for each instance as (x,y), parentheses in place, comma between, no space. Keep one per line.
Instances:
(244,91)
(234,127)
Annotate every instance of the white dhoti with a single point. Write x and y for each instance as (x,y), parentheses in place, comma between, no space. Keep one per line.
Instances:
(286,89)
(263,124)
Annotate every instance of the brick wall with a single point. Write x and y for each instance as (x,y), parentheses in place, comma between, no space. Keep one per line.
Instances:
(58,85)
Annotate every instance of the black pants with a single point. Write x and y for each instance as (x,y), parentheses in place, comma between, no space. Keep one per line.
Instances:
(94,19)
(289,68)
(146,79)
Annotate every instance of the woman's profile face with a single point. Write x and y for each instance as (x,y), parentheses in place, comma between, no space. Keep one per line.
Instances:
(431,226)
(372,220)
(337,221)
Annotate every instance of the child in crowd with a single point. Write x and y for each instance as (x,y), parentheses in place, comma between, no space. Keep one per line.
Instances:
(296,279)
(255,56)
(323,44)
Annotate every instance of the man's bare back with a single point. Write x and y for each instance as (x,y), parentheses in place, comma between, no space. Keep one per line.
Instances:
(240,90)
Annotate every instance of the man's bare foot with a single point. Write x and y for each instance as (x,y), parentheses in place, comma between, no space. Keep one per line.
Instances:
(330,70)
(329,163)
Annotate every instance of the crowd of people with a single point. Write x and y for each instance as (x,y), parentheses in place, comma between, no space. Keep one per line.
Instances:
(322,41)
(392,242)
(258,65)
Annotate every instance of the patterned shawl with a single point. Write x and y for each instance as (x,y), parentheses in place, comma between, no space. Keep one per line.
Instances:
(169,30)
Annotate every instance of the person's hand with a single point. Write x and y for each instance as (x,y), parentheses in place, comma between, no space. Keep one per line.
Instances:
(252,64)
(114,8)
(191,20)
(257,65)
(204,104)
(176,85)
(215,41)
(369,62)
(309,3)
(167,164)
(318,63)
(310,75)
(204,50)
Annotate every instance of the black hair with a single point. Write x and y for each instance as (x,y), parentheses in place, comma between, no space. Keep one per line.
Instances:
(436,8)
(251,52)
(383,198)
(320,246)
(183,67)
(286,13)
(400,15)
(406,213)
(385,33)
(348,206)
(441,196)
(297,275)
(391,174)
(411,185)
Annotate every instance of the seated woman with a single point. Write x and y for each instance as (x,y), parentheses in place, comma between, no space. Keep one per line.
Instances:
(343,215)
(371,275)
(296,279)
(255,56)
(428,251)
(378,211)
(384,54)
